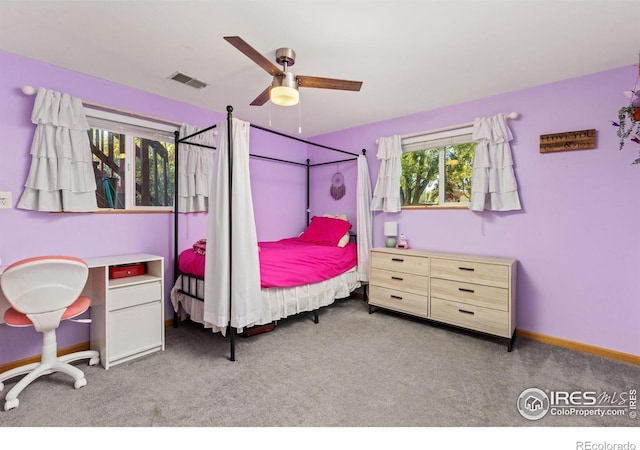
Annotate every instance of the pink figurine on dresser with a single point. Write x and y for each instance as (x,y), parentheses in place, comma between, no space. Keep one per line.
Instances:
(403,243)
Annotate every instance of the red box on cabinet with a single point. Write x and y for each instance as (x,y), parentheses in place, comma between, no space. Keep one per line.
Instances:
(127,270)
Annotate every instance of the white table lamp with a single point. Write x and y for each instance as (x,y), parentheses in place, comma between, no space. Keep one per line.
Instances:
(391,231)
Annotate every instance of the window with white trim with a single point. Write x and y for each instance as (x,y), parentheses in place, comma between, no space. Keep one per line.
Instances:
(133,160)
(436,168)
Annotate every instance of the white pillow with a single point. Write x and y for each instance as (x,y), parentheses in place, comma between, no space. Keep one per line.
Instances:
(344,240)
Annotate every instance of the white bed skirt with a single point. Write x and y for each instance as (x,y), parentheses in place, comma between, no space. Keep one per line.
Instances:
(278,303)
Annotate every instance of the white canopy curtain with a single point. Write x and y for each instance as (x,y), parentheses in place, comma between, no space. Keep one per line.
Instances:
(61,176)
(195,171)
(365,236)
(386,196)
(493,181)
(244,291)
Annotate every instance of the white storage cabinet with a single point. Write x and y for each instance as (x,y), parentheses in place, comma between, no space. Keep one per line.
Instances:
(127,314)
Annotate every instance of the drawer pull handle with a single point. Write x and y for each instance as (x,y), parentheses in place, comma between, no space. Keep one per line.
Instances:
(397,278)
(470,269)
(466,290)
(396,297)
(464,311)
(397,259)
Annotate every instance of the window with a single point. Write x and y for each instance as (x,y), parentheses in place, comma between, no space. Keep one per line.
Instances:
(436,169)
(133,162)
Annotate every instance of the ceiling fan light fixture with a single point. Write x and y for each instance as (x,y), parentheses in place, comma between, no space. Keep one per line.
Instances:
(284,87)
(284,96)
(284,90)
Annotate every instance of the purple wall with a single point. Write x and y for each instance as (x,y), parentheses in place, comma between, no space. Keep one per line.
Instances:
(578,257)
(26,233)
(576,236)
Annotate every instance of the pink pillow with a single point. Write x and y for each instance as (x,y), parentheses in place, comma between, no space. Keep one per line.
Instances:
(325,231)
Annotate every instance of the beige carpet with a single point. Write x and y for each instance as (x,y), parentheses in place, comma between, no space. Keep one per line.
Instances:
(353,369)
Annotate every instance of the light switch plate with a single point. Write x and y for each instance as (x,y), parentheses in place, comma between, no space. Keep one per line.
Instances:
(5,199)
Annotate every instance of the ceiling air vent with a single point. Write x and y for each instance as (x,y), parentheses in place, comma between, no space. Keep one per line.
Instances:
(189,81)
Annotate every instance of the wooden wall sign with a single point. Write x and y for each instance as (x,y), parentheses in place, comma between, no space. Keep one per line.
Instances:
(570,140)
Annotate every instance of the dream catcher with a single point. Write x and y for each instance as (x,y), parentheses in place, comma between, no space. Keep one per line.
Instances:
(337,185)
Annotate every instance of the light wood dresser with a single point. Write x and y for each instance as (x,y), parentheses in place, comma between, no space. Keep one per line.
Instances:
(473,292)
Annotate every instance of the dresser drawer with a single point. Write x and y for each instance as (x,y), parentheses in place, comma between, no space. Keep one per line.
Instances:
(471,272)
(470,316)
(127,296)
(473,294)
(406,282)
(400,262)
(406,302)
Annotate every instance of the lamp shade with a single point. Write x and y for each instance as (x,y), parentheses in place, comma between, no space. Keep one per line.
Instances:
(284,96)
(391,228)
(284,90)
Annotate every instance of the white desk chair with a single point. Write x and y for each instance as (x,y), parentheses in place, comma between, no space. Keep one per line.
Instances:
(43,291)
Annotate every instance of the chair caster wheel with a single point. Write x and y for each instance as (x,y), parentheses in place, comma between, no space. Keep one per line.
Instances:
(94,361)
(1,387)
(80,383)
(10,404)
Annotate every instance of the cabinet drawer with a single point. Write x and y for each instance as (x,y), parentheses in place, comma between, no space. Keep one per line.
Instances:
(127,296)
(471,272)
(406,302)
(471,316)
(474,294)
(407,282)
(134,330)
(401,263)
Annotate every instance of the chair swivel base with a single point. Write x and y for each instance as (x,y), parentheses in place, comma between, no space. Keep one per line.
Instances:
(36,370)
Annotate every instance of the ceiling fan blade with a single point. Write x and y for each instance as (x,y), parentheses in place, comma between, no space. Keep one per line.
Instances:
(328,83)
(253,54)
(262,98)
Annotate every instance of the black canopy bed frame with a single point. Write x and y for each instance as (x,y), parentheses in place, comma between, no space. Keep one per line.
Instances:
(185,140)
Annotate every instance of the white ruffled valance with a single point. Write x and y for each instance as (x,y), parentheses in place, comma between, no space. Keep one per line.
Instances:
(386,196)
(195,170)
(493,181)
(61,176)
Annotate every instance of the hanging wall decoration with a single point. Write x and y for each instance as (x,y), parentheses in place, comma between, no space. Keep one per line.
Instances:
(569,140)
(337,185)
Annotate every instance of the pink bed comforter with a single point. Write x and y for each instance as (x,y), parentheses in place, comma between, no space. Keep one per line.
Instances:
(288,262)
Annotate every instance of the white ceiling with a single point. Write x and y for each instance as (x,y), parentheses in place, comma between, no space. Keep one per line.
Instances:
(410,55)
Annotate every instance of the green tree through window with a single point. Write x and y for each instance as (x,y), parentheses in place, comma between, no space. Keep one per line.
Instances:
(437,175)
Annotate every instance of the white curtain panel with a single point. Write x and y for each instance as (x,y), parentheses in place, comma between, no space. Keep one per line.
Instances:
(365,236)
(232,289)
(61,176)
(386,196)
(493,181)
(196,169)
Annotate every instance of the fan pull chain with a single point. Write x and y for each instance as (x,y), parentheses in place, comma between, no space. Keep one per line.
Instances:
(269,113)
(299,117)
